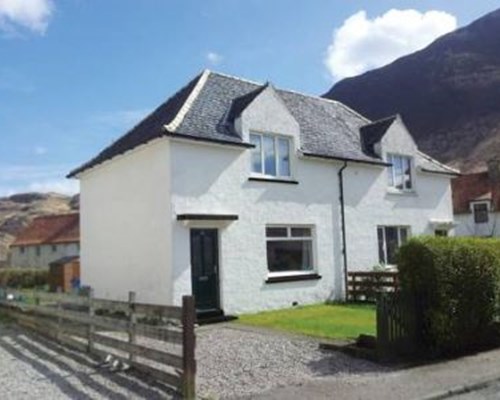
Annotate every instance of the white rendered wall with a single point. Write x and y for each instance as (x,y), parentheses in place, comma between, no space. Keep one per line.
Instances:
(467,227)
(31,259)
(214,180)
(369,203)
(125,235)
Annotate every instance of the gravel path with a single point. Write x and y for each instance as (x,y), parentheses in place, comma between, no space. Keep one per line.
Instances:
(235,361)
(232,362)
(34,368)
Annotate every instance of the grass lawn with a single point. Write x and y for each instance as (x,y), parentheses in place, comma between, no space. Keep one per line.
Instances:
(334,321)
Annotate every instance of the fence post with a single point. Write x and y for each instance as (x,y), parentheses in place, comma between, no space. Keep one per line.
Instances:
(382,340)
(59,311)
(91,327)
(132,337)
(188,347)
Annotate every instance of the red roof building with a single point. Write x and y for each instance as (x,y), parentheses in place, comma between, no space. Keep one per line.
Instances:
(50,229)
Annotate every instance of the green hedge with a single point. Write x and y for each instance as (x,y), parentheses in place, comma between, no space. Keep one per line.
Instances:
(456,284)
(23,278)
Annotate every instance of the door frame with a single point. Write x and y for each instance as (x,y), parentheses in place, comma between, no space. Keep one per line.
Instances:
(217,299)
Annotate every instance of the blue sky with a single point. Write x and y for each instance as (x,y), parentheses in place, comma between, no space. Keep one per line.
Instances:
(76,74)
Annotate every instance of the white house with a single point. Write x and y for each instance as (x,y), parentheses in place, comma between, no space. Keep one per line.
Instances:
(46,239)
(253,198)
(476,202)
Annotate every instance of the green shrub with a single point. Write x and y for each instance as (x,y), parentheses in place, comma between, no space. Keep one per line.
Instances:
(23,278)
(455,282)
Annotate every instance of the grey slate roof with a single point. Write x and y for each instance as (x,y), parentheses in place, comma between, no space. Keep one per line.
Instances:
(212,101)
(374,132)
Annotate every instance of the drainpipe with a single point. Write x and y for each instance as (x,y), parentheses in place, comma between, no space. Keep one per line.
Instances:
(342,220)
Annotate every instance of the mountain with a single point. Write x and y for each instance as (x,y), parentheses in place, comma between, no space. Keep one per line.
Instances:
(447,93)
(17,211)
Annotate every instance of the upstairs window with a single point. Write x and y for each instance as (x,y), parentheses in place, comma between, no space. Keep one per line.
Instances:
(480,211)
(390,238)
(400,173)
(271,155)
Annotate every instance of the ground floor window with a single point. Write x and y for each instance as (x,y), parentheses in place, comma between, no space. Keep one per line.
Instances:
(390,238)
(289,249)
(441,232)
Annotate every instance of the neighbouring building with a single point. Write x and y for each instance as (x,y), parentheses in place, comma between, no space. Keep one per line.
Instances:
(476,202)
(252,198)
(45,240)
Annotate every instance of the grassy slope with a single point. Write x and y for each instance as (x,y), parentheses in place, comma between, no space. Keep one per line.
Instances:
(336,321)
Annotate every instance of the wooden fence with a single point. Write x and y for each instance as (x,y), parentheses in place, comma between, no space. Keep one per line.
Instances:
(365,286)
(397,325)
(156,339)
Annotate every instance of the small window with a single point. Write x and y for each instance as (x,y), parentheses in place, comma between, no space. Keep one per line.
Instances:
(400,173)
(22,249)
(480,213)
(441,232)
(38,251)
(54,248)
(271,155)
(289,249)
(390,238)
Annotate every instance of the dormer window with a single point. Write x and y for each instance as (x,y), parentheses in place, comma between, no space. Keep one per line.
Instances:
(271,155)
(400,173)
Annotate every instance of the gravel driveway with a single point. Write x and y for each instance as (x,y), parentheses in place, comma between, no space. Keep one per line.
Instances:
(236,361)
(232,362)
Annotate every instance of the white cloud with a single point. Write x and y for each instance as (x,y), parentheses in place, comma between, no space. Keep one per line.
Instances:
(361,43)
(214,58)
(36,178)
(33,15)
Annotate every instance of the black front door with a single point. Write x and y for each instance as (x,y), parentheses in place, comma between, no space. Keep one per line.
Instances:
(204,268)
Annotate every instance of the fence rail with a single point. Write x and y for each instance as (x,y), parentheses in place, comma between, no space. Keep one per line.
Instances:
(122,329)
(365,286)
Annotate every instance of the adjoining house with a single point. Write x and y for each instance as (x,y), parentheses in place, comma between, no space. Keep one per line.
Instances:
(476,202)
(252,198)
(45,240)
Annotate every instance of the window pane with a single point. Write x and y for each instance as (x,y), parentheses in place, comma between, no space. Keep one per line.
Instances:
(398,172)
(269,155)
(256,153)
(391,242)
(295,255)
(276,232)
(407,172)
(381,248)
(301,232)
(403,233)
(480,213)
(390,170)
(284,157)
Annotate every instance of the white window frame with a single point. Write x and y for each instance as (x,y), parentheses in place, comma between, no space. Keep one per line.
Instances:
(398,227)
(276,138)
(479,203)
(392,186)
(291,238)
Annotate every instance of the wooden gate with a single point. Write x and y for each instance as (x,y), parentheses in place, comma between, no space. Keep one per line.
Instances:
(397,325)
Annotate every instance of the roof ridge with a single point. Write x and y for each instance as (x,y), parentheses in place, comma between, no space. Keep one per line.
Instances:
(177,120)
(385,119)
(290,91)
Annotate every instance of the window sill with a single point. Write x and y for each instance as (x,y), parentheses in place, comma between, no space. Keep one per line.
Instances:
(273,180)
(402,192)
(293,278)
